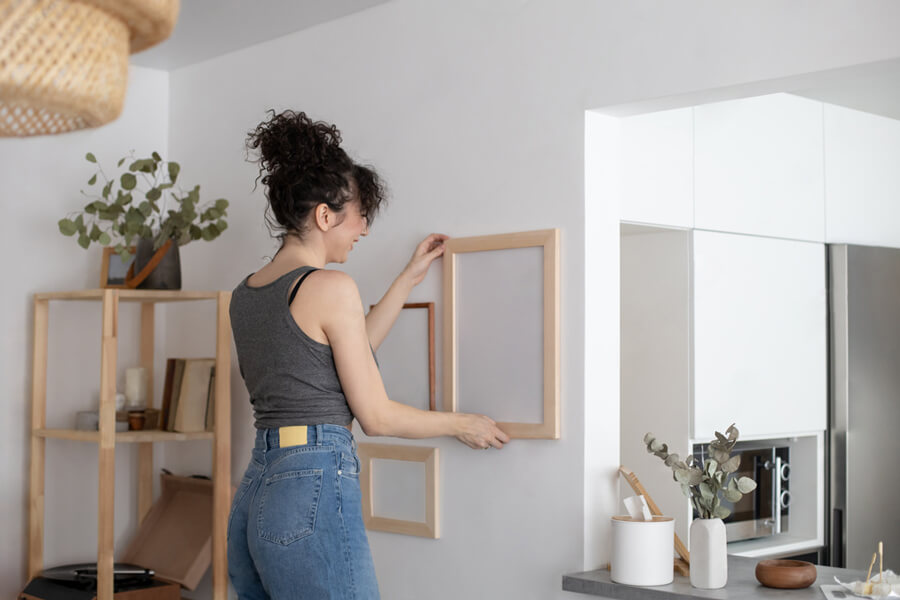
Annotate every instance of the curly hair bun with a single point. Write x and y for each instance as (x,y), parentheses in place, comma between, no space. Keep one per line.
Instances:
(294,142)
(302,164)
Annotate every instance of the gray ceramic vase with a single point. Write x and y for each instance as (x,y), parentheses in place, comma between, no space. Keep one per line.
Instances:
(166,275)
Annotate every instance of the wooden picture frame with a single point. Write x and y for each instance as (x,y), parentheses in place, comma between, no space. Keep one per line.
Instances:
(429,306)
(548,240)
(109,277)
(430,528)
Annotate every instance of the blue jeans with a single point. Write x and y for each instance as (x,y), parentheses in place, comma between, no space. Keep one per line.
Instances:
(296,529)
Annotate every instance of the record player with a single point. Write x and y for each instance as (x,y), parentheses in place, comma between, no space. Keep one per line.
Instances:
(79,582)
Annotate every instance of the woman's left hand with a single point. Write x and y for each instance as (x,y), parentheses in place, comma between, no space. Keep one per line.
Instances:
(429,249)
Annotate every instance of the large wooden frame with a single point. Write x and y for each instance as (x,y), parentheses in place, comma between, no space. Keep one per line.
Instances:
(549,240)
(431,361)
(429,456)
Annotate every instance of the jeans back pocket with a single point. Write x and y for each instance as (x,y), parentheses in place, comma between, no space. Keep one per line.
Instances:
(288,506)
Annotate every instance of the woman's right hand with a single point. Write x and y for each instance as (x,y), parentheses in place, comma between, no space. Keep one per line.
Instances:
(480,432)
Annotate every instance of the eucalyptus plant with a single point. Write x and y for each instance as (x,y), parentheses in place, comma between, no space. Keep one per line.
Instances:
(143,202)
(706,484)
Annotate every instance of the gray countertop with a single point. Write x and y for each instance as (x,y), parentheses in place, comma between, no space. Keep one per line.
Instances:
(741,584)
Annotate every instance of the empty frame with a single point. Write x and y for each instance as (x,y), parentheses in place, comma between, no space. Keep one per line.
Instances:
(428,528)
(501,330)
(406,357)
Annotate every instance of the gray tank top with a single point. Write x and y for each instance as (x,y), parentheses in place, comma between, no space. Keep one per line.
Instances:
(291,377)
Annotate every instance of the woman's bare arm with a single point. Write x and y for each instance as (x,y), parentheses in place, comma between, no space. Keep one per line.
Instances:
(383,315)
(345,326)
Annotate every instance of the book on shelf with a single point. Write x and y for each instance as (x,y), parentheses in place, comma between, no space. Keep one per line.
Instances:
(177,375)
(193,395)
(211,402)
(167,394)
(188,402)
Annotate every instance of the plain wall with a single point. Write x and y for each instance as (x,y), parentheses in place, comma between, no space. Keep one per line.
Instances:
(42,179)
(656,359)
(475,114)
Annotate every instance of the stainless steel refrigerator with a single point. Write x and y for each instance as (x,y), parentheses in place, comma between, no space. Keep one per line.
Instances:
(864,440)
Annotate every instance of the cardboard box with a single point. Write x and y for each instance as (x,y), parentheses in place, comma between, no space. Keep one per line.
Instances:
(175,539)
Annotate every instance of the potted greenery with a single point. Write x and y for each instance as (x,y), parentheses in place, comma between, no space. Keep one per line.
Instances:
(143,204)
(706,485)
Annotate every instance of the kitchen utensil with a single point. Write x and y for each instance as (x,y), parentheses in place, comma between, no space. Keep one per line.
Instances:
(633,506)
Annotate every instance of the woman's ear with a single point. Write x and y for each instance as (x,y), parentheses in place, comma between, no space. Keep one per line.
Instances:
(324,218)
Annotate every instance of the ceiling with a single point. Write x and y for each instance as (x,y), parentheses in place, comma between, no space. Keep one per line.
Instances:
(210,28)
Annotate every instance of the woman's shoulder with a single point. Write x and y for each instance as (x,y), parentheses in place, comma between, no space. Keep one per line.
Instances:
(333,284)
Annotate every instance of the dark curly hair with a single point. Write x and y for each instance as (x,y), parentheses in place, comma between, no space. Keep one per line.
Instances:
(302,165)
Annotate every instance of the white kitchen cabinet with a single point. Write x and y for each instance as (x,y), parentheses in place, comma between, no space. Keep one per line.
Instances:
(716,329)
(862,178)
(759,324)
(656,153)
(758,167)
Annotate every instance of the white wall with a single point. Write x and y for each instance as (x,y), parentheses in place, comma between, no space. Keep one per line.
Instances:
(656,286)
(474,112)
(42,177)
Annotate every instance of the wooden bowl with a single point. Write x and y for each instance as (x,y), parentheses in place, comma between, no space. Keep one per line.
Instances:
(785,574)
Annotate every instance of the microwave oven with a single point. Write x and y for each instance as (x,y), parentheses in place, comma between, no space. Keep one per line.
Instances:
(765,511)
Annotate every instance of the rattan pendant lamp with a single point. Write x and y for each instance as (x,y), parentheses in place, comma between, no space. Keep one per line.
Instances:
(64,63)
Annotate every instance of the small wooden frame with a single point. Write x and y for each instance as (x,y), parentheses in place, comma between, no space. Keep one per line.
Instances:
(115,276)
(429,306)
(429,456)
(547,239)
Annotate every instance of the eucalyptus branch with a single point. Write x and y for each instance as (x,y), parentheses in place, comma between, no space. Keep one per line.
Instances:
(707,483)
(134,212)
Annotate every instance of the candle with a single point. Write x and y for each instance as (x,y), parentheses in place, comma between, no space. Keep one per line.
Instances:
(136,387)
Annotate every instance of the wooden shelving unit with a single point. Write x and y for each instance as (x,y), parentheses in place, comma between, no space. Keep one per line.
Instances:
(107,437)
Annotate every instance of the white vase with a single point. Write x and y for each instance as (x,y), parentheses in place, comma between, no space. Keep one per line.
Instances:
(709,556)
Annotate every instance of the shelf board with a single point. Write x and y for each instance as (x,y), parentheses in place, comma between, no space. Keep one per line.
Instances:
(124,436)
(131,295)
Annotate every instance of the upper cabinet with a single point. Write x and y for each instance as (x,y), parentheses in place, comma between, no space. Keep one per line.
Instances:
(656,153)
(775,166)
(862,180)
(759,327)
(758,167)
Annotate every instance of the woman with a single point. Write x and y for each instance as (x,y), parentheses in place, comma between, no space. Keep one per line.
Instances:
(306,356)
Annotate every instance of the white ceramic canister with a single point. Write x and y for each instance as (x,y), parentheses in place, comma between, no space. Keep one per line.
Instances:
(642,551)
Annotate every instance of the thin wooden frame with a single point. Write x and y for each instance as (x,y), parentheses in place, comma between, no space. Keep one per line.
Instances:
(431,352)
(429,456)
(108,253)
(548,239)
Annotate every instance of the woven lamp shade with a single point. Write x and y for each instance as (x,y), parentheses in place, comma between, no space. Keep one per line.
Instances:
(64,63)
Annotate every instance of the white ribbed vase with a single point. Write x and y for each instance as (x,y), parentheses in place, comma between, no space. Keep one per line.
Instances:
(709,556)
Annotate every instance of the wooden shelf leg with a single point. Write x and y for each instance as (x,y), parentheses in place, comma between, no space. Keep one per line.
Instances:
(38,456)
(107,458)
(222,452)
(145,451)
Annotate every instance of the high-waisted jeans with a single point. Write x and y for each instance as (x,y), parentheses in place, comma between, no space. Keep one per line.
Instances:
(296,529)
